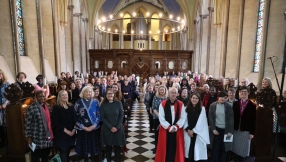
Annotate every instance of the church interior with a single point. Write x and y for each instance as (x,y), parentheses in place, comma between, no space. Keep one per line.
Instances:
(230,38)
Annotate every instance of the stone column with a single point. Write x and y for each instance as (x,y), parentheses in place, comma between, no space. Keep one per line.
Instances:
(15,36)
(160,35)
(56,54)
(263,44)
(239,40)
(171,41)
(80,41)
(195,45)
(202,17)
(85,21)
(40,38)
(132,36)
(70,8)
(224,37)
(211,9)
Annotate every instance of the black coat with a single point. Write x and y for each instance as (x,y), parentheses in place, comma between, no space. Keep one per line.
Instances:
(248,118)
(63,118)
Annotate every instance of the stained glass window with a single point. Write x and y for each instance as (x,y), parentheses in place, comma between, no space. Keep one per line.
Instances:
(259,36)
(19,23)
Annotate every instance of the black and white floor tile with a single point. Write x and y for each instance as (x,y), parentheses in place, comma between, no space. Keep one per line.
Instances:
(139,141)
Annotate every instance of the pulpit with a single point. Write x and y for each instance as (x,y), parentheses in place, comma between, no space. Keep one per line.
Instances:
(15,118)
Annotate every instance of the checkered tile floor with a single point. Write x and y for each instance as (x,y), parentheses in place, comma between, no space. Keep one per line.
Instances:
(139,141)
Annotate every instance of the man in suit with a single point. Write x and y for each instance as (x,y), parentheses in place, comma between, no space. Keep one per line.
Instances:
(103,87)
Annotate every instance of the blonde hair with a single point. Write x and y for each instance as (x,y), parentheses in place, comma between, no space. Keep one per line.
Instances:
(85,89)
(166,91)
(269,81)
(59,101)
(4,79)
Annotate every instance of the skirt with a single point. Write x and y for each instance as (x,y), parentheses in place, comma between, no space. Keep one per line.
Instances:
(241,143)
(87,143)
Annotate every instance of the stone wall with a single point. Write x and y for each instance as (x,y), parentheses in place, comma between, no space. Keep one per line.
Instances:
(6,41)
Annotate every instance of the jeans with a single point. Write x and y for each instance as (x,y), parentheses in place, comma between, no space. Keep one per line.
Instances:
(219,154)
(40,153)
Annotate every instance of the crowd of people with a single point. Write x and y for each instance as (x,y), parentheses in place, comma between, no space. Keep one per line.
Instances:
(187,116)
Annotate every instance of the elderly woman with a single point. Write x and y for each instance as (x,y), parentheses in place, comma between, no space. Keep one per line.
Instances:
(40,85)
(267,83)
(112,134)
(63,125)
(3,103)
(244,111)
(87,120)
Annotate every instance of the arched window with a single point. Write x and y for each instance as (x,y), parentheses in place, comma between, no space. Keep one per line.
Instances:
(19,23)
(259,36)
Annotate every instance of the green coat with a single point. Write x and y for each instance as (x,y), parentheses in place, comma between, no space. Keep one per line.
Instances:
(112,115)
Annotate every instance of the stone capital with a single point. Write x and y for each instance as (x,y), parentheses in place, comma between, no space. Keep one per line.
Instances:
(84,19)
(77,14)
(204,16)
(211,9)
(70,7)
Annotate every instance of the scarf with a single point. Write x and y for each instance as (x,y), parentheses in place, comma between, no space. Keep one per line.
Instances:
(46,119)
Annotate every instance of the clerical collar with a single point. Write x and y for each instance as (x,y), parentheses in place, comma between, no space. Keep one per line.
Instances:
(110,101)
(173,102)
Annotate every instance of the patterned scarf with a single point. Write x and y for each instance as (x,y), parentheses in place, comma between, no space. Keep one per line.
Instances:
(46,119)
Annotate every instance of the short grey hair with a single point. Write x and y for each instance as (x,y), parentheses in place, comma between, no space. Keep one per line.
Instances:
(85,89)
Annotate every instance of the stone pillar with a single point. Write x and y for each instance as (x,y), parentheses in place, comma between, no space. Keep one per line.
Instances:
(15,36)
(85,23)
(239,40)
(160,35)
(70,8)
(211,9)
(195,46)
(202,17)
(56,54)
(80,40)
(224,37)
(132,42)
(263,44)
(171,41)
(40,38)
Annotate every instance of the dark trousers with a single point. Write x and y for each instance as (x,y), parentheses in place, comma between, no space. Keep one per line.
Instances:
(64,154)
(40,153)
(218,150)
(151,125)
(117,152)
(156,123)
(192,149)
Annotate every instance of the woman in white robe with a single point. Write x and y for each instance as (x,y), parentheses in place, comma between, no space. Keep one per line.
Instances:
(196,134)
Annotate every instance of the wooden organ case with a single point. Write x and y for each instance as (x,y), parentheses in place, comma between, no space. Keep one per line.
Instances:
(140,62)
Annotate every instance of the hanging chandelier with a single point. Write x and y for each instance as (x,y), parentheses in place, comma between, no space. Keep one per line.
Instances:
(177,25)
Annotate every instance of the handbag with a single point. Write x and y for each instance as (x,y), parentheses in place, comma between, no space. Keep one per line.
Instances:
(249,159)
(56,158)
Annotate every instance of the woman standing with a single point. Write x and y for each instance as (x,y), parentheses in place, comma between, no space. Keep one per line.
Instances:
(161,94)
(267,83)
(62,86)
(221,123)
(196,132)
(147,98)
(63,125)
(97,95)
(40,85)
(3,103)
(72,87)
(87,119)
(112,134)
(244,112)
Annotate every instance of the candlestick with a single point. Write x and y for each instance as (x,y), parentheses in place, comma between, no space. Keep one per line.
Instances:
(45,81)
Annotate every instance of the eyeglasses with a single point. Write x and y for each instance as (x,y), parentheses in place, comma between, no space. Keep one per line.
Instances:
(243,91)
